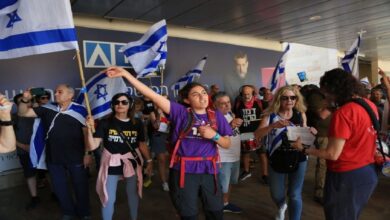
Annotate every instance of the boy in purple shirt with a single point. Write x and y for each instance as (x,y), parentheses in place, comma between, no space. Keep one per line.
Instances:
(194,159)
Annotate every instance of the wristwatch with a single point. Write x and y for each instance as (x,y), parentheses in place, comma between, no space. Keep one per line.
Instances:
(216,137)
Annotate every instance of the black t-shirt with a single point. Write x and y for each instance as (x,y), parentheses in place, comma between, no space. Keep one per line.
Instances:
(23,128)
(250,116)
(65,144)
(108,130)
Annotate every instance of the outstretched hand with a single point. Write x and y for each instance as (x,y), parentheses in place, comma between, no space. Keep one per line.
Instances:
(114,72)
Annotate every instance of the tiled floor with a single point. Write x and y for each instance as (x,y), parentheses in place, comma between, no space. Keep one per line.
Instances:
(251,196)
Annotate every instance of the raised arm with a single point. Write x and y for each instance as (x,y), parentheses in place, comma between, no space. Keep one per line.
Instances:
(23,108)
(386,82)
(157,99)
(7,134)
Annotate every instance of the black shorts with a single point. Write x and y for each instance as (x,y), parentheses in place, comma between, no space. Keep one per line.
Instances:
(24,158)
(185,199)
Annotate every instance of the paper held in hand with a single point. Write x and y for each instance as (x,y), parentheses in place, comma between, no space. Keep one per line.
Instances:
(307,137)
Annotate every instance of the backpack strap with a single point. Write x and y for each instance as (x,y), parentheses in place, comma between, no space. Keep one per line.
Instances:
(212,118)
(375,123)
(186,129)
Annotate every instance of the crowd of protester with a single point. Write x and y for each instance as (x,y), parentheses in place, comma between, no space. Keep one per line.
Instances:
(201,142)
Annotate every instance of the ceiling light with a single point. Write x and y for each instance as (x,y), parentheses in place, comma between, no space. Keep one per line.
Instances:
(315,18)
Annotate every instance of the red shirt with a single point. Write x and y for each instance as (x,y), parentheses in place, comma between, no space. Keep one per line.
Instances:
(352,123)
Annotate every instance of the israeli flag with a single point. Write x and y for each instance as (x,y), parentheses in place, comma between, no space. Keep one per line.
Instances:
(38,138)
(100,90)
(350,61)
(190,76)
(149,52)
(279,71)
(37,146)
(29,27)
(8,6)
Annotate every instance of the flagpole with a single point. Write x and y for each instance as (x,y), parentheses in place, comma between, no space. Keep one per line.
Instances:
(161,68)
(81,71)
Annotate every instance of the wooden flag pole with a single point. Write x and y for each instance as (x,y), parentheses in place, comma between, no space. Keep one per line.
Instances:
(161,68)
(81,71)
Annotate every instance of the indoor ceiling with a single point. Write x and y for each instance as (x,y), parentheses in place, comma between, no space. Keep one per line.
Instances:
(323,23)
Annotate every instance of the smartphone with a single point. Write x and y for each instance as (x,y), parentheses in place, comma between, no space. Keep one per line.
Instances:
(37,91)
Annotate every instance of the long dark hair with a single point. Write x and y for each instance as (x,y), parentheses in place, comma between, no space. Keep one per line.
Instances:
(130,112)
(342,85)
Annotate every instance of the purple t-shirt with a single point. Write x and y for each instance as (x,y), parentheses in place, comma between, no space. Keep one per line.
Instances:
(193,145)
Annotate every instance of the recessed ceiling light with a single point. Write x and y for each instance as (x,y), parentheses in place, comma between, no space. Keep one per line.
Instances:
(315,18)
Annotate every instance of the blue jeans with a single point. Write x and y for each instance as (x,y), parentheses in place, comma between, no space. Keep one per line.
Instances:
(79,179)
(346,193)
(229,173)
(132,196)
(277,186)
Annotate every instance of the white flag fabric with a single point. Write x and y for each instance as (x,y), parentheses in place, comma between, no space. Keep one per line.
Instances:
(149,52)
(279,71)
(100,90)
(29,27)
(366,82)
(350,61)
(190,76)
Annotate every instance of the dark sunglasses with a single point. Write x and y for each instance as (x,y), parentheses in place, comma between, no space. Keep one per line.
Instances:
(123,102)
(44,97)
(285,98)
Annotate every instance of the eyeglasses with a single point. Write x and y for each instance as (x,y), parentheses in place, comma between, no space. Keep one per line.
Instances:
(123,102)
(285,98)
(44,97)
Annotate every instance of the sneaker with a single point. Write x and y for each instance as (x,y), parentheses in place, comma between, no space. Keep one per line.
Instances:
(281,212)
(265,179)
(147,182)
(232,208)
(165,187)
(33,203)
(245,175)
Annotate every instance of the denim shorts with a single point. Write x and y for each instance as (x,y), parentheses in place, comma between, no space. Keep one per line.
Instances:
(228,174)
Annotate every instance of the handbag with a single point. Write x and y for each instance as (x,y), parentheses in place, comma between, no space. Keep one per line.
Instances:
(285,159)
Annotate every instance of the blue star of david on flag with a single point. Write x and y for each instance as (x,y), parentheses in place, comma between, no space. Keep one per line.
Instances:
(13,18)
(101,91)
(162,43)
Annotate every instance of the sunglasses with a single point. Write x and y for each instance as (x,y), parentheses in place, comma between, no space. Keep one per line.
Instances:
(285,98)
(123,102)
(43,97)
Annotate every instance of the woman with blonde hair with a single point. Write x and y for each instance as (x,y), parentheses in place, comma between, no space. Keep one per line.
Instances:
(286,109)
